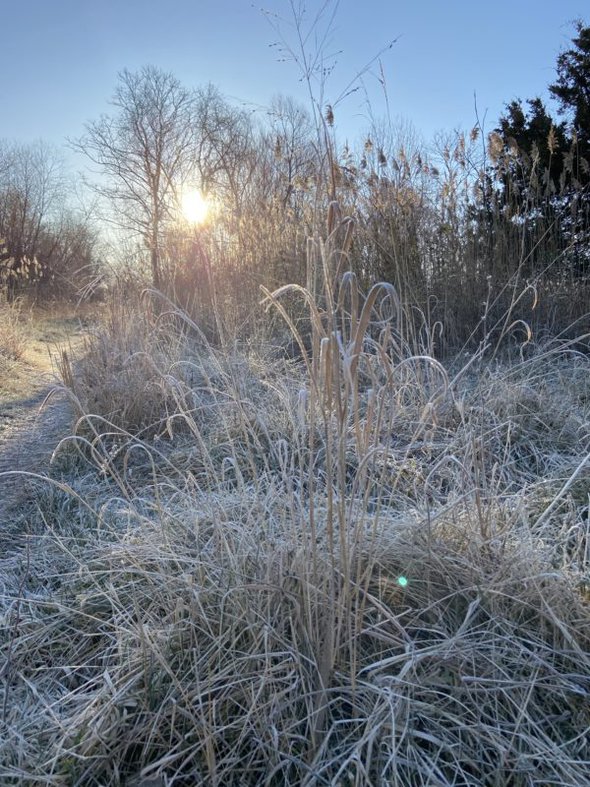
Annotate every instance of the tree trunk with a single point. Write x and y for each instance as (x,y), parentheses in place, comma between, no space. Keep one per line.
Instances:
(155,263)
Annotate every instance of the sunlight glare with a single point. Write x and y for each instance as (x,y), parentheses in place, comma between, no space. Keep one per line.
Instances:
(195,207)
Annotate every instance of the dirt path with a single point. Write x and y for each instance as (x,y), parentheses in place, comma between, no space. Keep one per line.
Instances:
(37,425)
(34,414)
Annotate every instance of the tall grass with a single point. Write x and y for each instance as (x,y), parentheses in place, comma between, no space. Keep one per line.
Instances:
(359,567)
(473,233)
(13,333)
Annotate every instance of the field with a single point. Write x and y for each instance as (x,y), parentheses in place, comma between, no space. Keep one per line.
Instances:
(353,563)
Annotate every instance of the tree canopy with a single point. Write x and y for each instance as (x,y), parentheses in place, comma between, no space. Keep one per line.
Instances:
(572,86)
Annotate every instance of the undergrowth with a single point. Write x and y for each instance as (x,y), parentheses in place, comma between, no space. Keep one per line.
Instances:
(360,567)
(13,333)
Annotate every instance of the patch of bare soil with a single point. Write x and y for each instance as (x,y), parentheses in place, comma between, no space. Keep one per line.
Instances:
(31,429)
(34,414)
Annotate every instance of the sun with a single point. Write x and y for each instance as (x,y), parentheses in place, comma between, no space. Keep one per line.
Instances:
(195,207)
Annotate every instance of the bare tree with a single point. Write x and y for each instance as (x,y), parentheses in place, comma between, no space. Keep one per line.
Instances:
(32,192)
(143,151)
(224,158)
(292,144)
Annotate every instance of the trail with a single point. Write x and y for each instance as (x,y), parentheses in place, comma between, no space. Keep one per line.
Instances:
(30,429)
(35,414)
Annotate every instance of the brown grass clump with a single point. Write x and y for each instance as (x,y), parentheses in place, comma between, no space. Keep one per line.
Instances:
(213,651)
(122,380)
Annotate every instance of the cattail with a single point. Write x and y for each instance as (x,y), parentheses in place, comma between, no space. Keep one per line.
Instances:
(334,216)
(348,225)
(337,173)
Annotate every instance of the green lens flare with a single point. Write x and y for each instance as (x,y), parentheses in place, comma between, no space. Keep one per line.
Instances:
(402,581)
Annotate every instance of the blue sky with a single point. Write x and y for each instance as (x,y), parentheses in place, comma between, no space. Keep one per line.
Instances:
(60,58)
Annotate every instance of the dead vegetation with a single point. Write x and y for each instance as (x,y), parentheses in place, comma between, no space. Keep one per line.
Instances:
(363,567)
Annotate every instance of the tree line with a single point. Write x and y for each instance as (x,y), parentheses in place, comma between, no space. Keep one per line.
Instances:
(48,249)
(464,228)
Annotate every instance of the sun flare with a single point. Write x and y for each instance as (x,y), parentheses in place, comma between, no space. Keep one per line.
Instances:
(195,207)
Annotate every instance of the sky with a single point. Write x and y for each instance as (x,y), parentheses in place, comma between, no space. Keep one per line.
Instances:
(60,58)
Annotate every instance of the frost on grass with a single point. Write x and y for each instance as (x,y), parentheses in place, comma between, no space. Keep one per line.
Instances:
(359,568)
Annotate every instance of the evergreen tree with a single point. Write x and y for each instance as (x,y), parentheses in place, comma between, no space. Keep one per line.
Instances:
(536,139)
(540,167)
(572,88)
